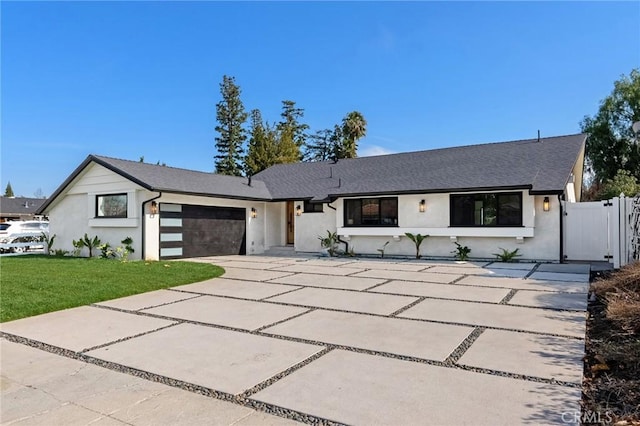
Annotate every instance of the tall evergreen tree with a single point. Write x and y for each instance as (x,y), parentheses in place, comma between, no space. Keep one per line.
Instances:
(262,151)
(8,192)
(354,127)
(291,133)
(231,116)
(319,146)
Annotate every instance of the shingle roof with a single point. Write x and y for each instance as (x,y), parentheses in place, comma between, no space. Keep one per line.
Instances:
(20,205)
(542,166)
(170,179)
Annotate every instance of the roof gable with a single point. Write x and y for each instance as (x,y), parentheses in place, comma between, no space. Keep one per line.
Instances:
(170,179)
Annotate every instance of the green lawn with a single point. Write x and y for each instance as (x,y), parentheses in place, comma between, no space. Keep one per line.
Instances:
(36,284)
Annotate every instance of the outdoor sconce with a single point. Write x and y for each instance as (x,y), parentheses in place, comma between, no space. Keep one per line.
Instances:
(298,210)
(423,206)
(545,204)
(254,213)
(154,208)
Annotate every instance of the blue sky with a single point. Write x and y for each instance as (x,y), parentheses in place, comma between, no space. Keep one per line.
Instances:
(131,79)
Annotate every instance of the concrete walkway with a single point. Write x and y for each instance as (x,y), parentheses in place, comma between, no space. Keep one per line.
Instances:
(315,340)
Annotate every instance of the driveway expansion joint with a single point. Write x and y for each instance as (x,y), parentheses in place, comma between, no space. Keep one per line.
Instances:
(364,290)
(460,278)
(505,300)
(407,307)
(278,294)
(124,339)
(264,384)
(534,269)
(463,347)
(264,327)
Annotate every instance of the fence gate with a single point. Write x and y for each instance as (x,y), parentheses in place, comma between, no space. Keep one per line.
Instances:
(607,230)
(587,231)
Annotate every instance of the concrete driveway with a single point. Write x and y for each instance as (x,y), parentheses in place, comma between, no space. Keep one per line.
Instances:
(316,340)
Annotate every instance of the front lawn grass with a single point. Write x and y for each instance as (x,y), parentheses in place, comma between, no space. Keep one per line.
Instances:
(37,284)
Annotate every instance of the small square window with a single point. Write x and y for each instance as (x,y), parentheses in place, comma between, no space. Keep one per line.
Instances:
(313,207)
(111,206)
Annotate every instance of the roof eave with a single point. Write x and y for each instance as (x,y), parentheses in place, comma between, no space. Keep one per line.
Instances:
(209,194)
(433,191)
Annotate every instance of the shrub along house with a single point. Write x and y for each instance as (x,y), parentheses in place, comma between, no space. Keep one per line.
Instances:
(490,196)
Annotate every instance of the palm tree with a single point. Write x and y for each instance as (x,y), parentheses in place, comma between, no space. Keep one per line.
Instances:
(354,127)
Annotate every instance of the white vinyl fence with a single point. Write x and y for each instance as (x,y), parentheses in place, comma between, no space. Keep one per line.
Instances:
(607,230)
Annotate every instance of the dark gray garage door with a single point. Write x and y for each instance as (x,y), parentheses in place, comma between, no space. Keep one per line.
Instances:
(195,231)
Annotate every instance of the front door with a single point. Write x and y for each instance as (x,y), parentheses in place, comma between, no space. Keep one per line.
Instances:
(290,222)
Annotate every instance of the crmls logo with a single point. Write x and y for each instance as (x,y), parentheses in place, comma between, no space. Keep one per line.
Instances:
(589,417)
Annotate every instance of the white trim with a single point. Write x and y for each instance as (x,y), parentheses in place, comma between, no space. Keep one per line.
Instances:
(516,232)
(113,223)
(132,205)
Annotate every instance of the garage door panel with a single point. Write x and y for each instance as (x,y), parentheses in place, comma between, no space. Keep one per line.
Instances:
(204,231)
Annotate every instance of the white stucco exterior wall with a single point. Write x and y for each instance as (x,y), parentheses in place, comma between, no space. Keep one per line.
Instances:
(275,224)
(72,215)
(309,226)
(537,239)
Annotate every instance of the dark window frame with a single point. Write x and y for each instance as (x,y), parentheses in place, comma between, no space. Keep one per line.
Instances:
(453,197)
(380,223)
(119,216)
(309,207)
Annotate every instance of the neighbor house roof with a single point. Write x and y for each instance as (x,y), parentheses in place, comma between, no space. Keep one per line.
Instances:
(20,205)
(541,166)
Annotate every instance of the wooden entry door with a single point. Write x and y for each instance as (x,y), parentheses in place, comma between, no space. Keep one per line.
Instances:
(290,223)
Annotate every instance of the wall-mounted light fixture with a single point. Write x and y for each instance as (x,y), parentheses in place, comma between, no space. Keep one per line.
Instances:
(298,210)
(254,212)
(154,208)
(545,204)
(422,206)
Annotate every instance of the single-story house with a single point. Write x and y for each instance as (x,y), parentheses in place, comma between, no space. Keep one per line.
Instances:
(489,196)
(20,208)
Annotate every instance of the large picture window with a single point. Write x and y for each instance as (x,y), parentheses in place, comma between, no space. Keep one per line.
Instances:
(111,206)
(497,209)
(371,212)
